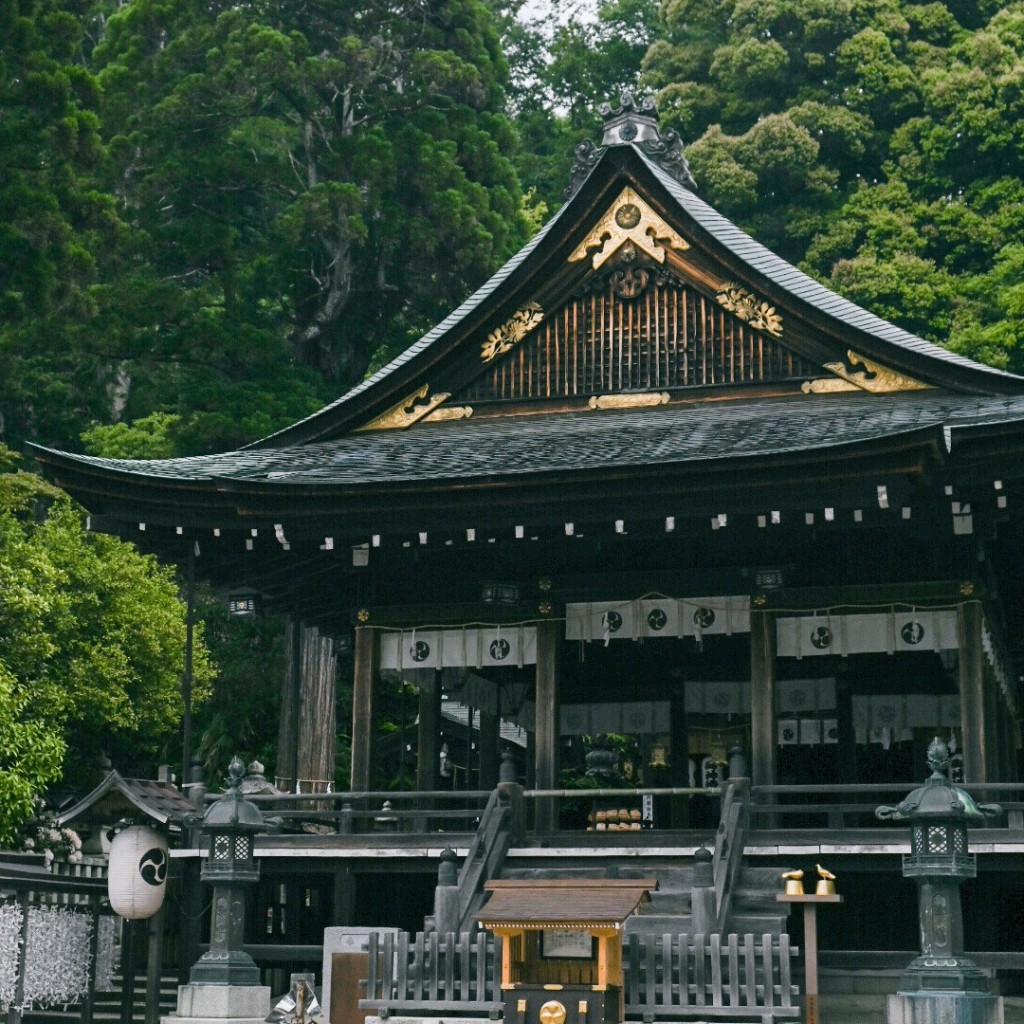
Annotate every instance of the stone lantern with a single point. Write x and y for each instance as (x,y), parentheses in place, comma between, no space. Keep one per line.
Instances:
(941,984)
(231,824)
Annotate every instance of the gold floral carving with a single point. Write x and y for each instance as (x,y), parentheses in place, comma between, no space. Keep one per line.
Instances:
(449,412)
(873,377)
(408,411)
(751,310)
(510,333)
(629,401)
(629,219)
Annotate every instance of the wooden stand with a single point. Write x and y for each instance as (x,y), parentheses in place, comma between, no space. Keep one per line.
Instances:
(810,902)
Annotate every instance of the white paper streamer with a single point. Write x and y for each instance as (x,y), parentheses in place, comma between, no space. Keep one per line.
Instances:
(57,959)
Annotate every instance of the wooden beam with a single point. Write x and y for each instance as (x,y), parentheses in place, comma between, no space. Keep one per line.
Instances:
(549,650)
(427,734)
(367,662)
(762,697)
(974,733)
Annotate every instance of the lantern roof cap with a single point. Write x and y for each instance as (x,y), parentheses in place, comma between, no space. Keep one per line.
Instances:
(231,810)
(938,797)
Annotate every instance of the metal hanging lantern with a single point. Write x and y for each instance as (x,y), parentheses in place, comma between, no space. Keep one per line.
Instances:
(231,824)
(137,872)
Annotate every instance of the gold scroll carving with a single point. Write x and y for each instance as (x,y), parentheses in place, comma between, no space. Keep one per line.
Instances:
(629,401)
(449,412)
(751,310)
(510,333)
(408,411)
(873,377)
(629,219)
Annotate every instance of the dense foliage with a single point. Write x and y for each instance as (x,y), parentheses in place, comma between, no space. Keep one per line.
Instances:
(91,647)
(227,213)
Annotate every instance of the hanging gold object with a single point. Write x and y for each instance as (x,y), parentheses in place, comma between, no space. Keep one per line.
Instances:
(510,333)
(629,219)
(877,379)
(752,311)
(826,882)
(409,410)
(794,883)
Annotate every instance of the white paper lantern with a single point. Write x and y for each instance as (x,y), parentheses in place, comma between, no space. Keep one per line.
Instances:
(137,878)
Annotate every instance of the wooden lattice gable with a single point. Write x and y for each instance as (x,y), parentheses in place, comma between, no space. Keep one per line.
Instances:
(641,325)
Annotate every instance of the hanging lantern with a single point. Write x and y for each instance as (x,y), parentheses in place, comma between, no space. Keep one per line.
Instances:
(137,874)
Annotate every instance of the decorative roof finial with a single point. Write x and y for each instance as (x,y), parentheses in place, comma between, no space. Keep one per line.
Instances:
(634,122)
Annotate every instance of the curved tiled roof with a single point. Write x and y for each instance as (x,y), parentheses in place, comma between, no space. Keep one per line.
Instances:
(581,441)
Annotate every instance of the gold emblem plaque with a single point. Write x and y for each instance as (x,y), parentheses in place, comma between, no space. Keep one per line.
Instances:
(552,1012)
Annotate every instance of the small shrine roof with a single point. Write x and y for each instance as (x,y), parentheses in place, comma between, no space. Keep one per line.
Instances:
(566,903)
(160,801)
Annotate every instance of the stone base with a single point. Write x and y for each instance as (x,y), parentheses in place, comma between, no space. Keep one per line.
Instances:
(944,1008)
(237,1004)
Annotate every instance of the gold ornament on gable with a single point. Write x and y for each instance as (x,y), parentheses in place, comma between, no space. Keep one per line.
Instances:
(629,219)
(510,333)
(750,309)
(409,410)
(873,377)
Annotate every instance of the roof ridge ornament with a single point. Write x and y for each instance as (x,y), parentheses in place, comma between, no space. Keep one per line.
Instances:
(634,122)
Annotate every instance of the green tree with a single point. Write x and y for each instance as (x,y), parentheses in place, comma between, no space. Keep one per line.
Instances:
(877,143)
(91,642)
(57,227)
(310,186)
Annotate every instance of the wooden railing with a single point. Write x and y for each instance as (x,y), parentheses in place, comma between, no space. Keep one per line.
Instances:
(852,806)
(365,813)
(730,840)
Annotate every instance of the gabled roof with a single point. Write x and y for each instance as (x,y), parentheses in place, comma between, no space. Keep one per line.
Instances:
(532,904)
(116,796)
(633,152)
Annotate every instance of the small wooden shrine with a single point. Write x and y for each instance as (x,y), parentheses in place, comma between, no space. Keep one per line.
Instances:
(562,946)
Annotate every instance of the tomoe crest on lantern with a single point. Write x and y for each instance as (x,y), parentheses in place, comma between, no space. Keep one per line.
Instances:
(137,878)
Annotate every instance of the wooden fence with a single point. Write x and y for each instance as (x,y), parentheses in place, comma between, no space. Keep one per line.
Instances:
(668,975)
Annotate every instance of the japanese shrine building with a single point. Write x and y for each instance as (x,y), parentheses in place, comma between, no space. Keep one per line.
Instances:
(649,480)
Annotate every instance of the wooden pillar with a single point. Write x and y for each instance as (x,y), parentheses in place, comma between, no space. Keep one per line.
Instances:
(287,730)
(344,894)
(317,725)
(549,649)
(680,762)
(972,693)
(762,698)
(490,725)
(367,662)
(428,734)
(847,734)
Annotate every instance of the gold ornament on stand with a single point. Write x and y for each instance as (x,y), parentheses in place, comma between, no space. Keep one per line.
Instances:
(826,882)
(794,883)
